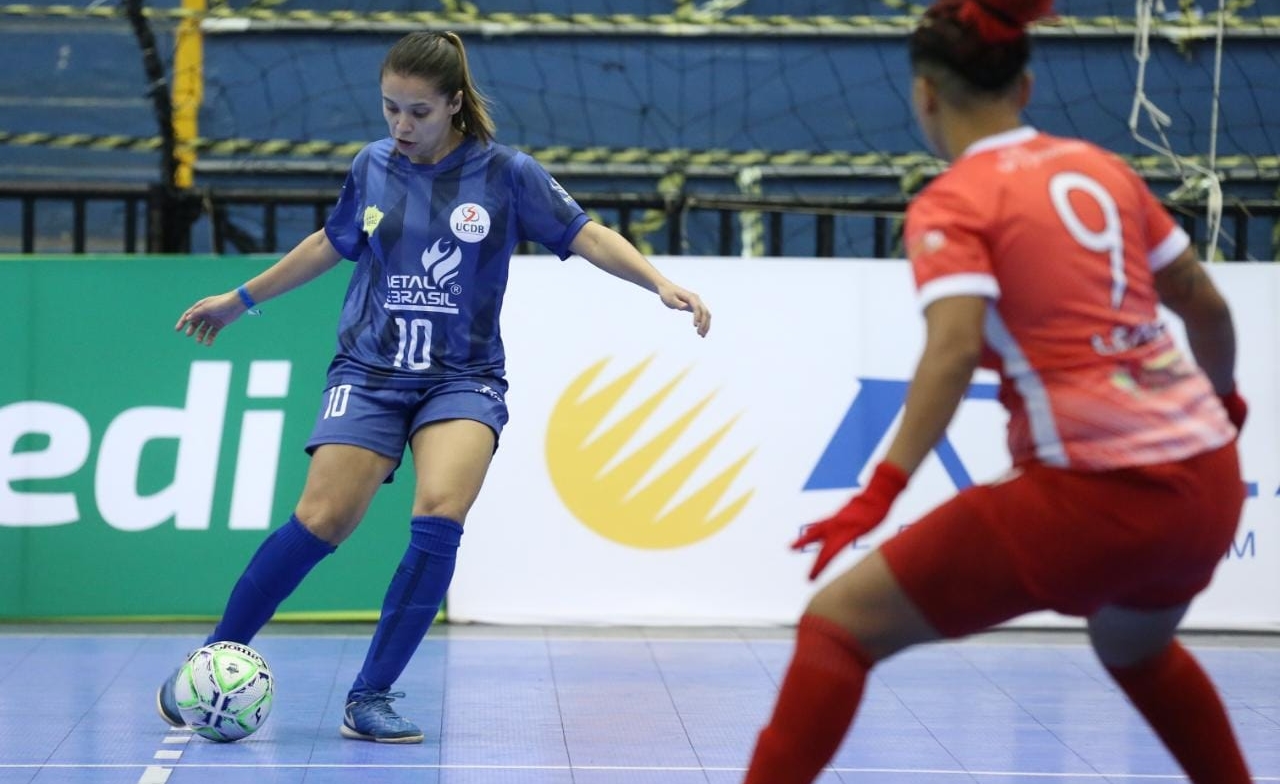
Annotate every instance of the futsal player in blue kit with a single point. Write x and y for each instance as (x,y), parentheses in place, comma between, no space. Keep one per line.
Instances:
(431,216)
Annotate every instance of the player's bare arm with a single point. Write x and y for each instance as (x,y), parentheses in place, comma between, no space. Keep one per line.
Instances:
(953,345)
(611,252)
(1186,289)
(310,258)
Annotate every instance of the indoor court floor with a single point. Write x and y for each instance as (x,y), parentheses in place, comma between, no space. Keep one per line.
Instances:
(544,705)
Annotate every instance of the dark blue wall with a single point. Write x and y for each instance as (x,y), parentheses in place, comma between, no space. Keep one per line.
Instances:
(68,78)
(776,93)
(782,93)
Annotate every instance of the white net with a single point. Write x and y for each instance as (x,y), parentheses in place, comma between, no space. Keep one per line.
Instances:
(804,101)
(1200,178)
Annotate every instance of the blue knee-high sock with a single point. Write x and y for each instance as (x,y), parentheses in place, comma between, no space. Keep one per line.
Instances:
(412,600)
(275,570)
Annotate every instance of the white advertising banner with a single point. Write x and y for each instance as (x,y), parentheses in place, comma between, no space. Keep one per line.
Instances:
(652,477)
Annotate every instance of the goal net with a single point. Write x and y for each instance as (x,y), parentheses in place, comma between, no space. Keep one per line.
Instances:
(759,98)
(803,105)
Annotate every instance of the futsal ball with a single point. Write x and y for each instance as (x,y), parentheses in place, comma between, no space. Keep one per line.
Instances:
(224,691)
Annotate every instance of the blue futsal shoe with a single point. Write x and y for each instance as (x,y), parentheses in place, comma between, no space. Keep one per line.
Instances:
(167,703)
(369,716)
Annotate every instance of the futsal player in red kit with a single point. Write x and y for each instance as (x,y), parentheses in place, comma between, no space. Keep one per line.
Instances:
(1044,259)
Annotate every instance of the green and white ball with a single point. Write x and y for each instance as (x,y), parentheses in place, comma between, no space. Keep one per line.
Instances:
(224,691)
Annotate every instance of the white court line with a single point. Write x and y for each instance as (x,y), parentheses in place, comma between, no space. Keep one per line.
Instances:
(155,776)
(152,774)
(1210,642)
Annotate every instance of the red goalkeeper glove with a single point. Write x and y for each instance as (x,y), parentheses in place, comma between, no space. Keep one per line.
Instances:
(1237,409)
(859,516)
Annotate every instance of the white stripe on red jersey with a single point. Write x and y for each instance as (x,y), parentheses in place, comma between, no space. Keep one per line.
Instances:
(1063,238)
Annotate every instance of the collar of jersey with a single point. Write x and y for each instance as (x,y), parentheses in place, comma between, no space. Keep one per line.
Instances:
(1003,139)
(454,159)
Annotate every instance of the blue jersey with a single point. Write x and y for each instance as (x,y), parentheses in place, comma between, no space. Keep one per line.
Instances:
(432,245)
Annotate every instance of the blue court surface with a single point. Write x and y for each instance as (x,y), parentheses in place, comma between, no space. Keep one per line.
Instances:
(542,705)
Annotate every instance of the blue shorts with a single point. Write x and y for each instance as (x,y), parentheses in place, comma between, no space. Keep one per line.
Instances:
(383,420)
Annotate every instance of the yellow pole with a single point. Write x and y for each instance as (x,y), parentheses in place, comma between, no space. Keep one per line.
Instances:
(188,90)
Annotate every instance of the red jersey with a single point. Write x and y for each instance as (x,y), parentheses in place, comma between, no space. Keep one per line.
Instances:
(1063,238)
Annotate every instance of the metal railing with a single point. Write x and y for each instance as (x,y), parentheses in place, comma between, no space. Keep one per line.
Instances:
(141,218)
(70,204)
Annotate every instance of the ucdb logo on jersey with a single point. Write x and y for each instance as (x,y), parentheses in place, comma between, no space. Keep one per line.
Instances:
(603,488)
(470,222)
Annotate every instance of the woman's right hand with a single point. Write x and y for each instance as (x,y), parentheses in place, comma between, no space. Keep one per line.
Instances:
(208,316)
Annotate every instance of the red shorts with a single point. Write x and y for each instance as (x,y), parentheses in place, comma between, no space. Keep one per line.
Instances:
(1050,539)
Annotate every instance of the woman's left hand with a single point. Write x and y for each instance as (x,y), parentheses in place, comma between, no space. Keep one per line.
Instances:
(677,298)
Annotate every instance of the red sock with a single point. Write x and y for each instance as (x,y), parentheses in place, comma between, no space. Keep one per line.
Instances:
(815,707)
(1180,703)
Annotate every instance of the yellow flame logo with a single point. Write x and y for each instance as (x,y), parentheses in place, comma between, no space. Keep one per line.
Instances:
(611,502)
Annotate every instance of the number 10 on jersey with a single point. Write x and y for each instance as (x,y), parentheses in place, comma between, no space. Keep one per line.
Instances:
(414,350)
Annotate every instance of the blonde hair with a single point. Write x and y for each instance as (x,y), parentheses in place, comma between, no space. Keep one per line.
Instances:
(441,59)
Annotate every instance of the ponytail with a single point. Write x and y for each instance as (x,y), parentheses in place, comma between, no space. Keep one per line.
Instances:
(474,118)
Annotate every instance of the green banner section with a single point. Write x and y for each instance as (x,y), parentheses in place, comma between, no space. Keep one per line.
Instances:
(139,471)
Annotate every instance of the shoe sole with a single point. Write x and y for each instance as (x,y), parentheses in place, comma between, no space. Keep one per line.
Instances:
(347,732)
(160,709)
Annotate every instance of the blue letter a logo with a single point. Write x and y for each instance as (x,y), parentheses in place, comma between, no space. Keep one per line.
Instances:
(865,425)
